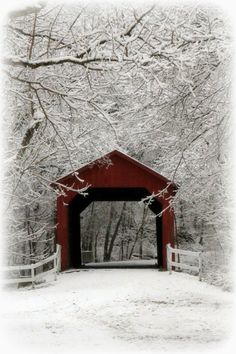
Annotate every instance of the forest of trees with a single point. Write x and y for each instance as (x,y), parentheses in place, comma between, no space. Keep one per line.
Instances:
(118,231)
(153,81)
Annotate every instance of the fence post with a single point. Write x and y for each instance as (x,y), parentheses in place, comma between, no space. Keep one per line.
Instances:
(32,276)
(169,258)
(59,259)
(55,266)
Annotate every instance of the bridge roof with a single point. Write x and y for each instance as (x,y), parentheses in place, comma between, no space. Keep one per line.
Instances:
(111,155)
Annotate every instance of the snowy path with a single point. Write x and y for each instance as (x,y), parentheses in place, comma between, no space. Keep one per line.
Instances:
(116,310)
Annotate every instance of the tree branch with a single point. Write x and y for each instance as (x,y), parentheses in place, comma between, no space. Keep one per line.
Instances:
(34,64)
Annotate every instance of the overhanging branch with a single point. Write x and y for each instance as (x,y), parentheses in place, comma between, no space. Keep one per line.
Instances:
(34,64)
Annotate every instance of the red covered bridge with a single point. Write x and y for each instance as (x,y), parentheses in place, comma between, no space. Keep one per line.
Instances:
(124,179)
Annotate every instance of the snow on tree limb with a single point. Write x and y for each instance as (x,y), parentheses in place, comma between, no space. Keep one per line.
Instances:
(21,62)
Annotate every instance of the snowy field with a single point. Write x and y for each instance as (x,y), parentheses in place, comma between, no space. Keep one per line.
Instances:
(117,310)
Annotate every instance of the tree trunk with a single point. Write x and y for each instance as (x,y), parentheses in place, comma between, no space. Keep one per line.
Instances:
(96,243)
(86,241)
(122,250)
(127,249)
(139,232)
(141,249)
(115,232)
(107,236)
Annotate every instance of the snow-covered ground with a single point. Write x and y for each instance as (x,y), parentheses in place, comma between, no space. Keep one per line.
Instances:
(122,264)
(117,310)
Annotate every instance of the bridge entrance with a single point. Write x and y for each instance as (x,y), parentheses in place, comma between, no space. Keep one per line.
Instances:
(78,256)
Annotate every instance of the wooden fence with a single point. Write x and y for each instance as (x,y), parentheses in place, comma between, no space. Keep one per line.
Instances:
(173,262)
(30,273)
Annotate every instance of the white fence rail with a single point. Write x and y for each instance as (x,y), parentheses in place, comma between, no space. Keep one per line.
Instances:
(30,273)
(173,263)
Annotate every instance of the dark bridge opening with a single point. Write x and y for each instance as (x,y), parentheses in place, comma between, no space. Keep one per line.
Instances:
(80,203)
